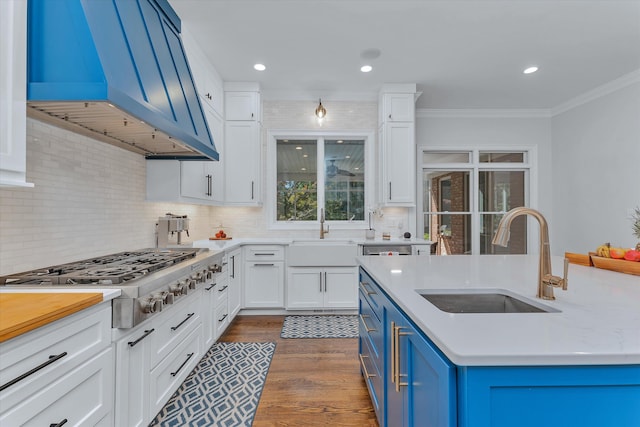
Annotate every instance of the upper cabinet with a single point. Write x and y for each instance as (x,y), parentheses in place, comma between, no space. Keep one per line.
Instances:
(398,107)
(397,145)
(243,150)
(13,83)
(242,106)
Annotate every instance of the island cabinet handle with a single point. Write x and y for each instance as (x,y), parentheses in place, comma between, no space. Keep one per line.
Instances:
(52,359)
(364,367)
(396,358)
(366,327)
(146,334)
(173,328)
(60,424)
(363,285)
(189,356)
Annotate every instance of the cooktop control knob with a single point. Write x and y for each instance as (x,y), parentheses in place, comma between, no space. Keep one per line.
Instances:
(176,289)
(166,297)
(152,305)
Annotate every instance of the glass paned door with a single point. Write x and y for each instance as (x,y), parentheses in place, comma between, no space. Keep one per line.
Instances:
(447,216)
(499,192)
(297,180)
(344,180)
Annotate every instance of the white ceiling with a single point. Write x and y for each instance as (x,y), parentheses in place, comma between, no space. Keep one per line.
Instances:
(462,54)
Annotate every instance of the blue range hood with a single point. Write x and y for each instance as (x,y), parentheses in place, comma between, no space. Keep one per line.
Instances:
(116,70)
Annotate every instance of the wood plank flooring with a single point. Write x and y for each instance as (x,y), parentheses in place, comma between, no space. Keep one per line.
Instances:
(311,382)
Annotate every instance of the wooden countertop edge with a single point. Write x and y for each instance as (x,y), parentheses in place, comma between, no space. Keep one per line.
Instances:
(19,328)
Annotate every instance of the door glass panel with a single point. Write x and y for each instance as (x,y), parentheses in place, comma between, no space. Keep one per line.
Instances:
(344,180)
(447,218)
(435,157)
(497,157)
(498,192)
(297,183)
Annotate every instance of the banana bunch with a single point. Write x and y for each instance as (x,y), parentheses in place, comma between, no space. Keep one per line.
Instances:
(603,250)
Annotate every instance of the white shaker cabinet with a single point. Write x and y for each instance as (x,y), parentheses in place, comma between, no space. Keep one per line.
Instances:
(397,149)
(234,272)
(196,179)
(242,148)
(13,87)
(264,276)
(322,288)
(61,371)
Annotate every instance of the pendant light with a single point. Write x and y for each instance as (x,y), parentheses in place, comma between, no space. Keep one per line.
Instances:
(320,110)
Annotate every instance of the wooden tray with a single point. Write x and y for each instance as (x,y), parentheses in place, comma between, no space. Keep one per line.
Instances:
(219,238)
(619,265)
(580,259)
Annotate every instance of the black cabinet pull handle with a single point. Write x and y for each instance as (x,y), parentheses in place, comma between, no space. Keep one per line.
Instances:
(210,287)
(225,287)
(189,356)
(146,334)
(61,423)
(52,359)
(173,328)
(223,317)
(233,266)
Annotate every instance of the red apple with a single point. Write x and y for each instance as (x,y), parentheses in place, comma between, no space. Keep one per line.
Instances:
(632,255)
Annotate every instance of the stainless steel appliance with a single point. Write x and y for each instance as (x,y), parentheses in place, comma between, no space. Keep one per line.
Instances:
(387,249)
(169,225)
(150,280)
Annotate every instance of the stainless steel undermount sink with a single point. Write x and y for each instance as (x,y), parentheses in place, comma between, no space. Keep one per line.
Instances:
(461,301)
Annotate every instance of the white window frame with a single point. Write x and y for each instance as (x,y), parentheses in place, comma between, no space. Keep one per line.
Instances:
(529,166)
(270,203)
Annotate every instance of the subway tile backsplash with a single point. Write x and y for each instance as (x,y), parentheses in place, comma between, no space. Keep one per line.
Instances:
(88,200)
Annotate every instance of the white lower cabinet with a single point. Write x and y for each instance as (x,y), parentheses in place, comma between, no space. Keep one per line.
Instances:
(264,284)
(234,275)
(62,371)
(263,276)
(154,358)
(322,287)
(221,304)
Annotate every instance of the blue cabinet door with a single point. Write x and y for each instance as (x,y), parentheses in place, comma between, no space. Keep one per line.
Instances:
(421,382)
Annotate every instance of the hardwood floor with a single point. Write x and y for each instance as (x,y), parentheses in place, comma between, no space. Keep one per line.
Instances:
(311,382)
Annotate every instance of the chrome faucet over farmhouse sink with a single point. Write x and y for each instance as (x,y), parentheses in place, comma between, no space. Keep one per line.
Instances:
(482,301)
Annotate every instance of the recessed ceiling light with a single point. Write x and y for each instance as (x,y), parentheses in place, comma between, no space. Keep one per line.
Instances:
(305,155)
(259,67)
(303,169)
(530,70)
(298,148)
(366,68)
(347,157)
(339,141)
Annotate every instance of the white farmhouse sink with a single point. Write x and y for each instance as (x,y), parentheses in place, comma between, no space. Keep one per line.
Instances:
(319,253)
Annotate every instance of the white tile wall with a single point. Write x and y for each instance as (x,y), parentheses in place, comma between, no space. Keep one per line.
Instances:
(88,200)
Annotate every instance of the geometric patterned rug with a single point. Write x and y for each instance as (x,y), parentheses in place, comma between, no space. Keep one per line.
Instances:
(223,389)
(320,326)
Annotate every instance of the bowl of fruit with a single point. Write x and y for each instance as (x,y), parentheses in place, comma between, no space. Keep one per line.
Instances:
(220,235)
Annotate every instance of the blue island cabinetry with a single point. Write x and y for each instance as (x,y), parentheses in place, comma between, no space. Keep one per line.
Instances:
(412,383)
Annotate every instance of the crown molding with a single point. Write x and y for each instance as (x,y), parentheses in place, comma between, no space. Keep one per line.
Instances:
(600,91)
(484,113)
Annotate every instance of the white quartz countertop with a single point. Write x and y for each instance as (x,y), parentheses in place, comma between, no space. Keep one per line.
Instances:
(598,322)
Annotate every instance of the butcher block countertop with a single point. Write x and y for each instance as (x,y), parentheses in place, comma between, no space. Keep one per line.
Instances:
(23,312)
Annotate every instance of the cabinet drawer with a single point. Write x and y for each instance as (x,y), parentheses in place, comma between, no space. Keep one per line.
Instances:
(264,253)
(183,319)
(372,377)
(56,349)
(371,330)
(222,318)
(82,397)
(221,291)
(371,293)
(169,374)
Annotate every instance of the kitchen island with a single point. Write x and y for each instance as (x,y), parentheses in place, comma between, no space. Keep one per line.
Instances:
(578,364)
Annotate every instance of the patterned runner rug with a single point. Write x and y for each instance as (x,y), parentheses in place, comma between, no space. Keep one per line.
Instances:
(223,389)
(320,326)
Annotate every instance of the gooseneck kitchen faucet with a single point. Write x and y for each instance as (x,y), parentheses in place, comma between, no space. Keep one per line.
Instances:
(546,280)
